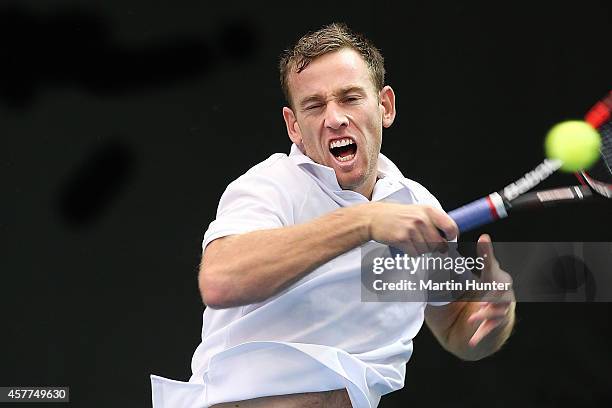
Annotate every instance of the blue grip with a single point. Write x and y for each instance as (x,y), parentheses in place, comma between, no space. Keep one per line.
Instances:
(473,215)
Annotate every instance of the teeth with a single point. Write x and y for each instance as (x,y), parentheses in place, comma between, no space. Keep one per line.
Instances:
(340,143)
(345,158)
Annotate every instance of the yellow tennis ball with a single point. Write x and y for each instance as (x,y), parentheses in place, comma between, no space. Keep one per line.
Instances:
(575,143)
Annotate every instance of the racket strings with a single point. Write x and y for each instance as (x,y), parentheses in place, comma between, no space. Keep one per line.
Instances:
(600,117)
(606,145)
(599,177)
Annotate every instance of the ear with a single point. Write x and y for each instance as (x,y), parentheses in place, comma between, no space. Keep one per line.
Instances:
(387,101)
(293,129)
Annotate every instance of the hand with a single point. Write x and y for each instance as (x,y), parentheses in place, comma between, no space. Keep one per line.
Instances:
(497,312)
(414,229)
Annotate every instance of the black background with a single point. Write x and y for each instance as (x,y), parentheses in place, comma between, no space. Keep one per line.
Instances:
(121,123)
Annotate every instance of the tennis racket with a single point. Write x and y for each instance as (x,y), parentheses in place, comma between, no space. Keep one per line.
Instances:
(594,183)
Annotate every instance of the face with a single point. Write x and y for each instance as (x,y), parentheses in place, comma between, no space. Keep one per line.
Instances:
(338,117)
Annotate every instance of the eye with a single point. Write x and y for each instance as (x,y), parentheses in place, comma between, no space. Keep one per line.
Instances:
(352,98)
(313,107)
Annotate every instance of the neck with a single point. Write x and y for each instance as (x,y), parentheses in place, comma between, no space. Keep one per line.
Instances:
(366,189)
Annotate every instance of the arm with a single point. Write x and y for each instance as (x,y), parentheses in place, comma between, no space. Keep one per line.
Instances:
(251,267)
(474,330)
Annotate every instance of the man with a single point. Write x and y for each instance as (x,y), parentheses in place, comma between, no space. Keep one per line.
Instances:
(280,272)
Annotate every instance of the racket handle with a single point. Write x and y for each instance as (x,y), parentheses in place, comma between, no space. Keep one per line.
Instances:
(479,212)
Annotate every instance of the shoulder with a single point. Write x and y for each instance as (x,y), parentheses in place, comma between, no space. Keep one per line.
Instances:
(276,182)
(275,160)
(264,197)
(277,170)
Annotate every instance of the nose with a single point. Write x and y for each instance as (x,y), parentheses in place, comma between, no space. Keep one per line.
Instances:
(335,118)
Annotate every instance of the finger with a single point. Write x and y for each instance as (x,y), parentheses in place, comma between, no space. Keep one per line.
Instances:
(491,311)
(435,242)
(484,248)
(500,305)
(479,314)
(419,241)
(483,330)
(476,321)
(444,223)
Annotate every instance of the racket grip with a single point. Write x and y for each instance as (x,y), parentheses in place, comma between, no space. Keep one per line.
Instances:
(479,212)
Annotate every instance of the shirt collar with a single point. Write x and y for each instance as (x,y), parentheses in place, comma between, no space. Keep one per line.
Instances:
(394,180)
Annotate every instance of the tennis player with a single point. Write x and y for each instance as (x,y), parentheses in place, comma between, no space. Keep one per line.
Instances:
(280,272)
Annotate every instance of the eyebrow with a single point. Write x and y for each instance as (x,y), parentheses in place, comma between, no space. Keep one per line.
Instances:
(341,92)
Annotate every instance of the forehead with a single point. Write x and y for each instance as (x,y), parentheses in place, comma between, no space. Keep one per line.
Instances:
(330,72)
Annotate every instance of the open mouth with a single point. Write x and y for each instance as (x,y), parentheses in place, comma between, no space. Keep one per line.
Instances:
(343,149)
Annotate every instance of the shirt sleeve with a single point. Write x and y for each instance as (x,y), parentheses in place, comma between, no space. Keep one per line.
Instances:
(250,203)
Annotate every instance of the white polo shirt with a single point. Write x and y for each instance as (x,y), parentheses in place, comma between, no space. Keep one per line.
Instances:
(316,335)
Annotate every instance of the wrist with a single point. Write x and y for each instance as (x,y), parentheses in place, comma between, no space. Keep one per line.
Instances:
(361,216)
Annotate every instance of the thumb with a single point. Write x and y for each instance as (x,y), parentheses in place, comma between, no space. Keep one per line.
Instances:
(484,248)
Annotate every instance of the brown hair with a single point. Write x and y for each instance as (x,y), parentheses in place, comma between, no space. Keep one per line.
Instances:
(330,38)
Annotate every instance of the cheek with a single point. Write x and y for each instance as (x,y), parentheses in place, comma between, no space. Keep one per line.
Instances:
(312,145)
(374,131)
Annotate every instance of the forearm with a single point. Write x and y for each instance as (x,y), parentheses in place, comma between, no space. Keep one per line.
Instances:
(248,268)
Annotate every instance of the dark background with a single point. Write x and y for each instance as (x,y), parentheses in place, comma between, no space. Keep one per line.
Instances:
(121,123)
